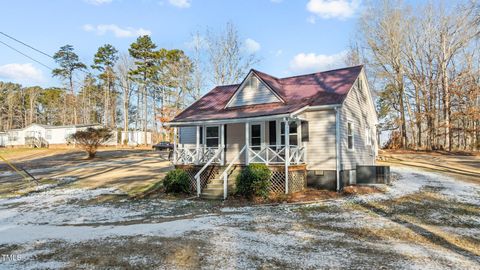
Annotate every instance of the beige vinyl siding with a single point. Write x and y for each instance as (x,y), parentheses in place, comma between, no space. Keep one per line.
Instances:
(321,144)
(235,141)
(357,109)
(253,91)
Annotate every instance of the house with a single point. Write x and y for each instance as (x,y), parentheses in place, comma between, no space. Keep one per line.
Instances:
(313,129)
(3,139)
(136,137)
(37,135)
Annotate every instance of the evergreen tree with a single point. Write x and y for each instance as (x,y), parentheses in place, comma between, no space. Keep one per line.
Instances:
(104,61)
(69,62)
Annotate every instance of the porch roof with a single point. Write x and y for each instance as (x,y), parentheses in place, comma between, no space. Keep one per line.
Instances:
(316,89)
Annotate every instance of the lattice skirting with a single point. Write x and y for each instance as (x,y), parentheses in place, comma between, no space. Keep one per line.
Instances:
(207,175)
(297,179)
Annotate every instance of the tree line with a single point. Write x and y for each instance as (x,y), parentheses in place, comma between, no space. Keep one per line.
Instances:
(424,63)
(140,89)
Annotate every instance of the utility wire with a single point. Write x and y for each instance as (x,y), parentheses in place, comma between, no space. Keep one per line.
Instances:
(26,45)
(24,54)
(48,55)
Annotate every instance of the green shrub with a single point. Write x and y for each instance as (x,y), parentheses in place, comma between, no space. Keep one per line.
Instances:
(254,180)
(177,181)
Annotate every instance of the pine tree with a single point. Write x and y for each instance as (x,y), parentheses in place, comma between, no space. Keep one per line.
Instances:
(69,62)
(104,61)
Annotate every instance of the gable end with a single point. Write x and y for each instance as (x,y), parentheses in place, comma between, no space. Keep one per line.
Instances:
(253,90)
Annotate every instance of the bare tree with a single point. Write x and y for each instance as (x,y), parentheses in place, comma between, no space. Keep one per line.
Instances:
(124,65)
(383,31)
(227,58)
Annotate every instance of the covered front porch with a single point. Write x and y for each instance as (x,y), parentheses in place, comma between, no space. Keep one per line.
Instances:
(242,143)
(228,144)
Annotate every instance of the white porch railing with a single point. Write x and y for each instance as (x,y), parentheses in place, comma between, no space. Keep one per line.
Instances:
(270,154)
(192,155)
(225,172)
(186,155)
(215,156)
(275,154)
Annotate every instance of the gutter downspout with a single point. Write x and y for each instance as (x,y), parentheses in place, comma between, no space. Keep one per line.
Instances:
(337,146)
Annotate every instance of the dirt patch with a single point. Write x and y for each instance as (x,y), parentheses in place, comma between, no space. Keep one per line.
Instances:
(130,170)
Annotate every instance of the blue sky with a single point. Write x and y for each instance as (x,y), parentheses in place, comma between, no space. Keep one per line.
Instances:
(290,36)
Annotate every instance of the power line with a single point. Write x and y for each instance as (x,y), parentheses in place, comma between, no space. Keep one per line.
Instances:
(24,54)
(46,54)
(25,44)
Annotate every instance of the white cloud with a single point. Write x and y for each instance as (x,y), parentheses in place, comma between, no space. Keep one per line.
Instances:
(311,62)
(251,46)
(98,2)
(117,31)
(327,9)
(180,3)
(22,73)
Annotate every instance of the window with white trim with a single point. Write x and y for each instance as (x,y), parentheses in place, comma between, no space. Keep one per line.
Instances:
(292,130)
(350,136)
(212,137)
(256,136)
(368,136)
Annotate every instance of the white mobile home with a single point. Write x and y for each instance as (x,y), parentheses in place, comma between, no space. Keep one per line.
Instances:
(3,139)
(314,128)
(136,137)
(37,135)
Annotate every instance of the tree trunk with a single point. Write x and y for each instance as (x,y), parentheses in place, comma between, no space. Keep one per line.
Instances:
(125,114)
(74,105)
(145,114)
(418,118)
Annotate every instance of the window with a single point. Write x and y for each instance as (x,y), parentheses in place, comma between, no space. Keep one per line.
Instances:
(212,136)
(368,136)
(350,134)
(48,134)
(272,132)
(292,133)
(256,136)
(305,131)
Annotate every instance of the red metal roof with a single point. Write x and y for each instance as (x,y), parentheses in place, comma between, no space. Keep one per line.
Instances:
(322,88)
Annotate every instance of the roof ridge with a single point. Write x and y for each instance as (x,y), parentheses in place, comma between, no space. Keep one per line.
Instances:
(258,71)
(326,71)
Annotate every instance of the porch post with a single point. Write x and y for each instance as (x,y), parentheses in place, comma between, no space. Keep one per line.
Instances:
(174,145)
(287,152)
(197,157)
(222,143)
(299,133)
(204,143)
(299,142)
(278,128)
(247,143)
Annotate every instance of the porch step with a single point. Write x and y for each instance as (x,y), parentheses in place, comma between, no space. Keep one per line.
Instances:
(211,197)
(212,193)
(214,189)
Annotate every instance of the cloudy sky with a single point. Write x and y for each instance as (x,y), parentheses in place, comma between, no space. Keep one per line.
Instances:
(290,36)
